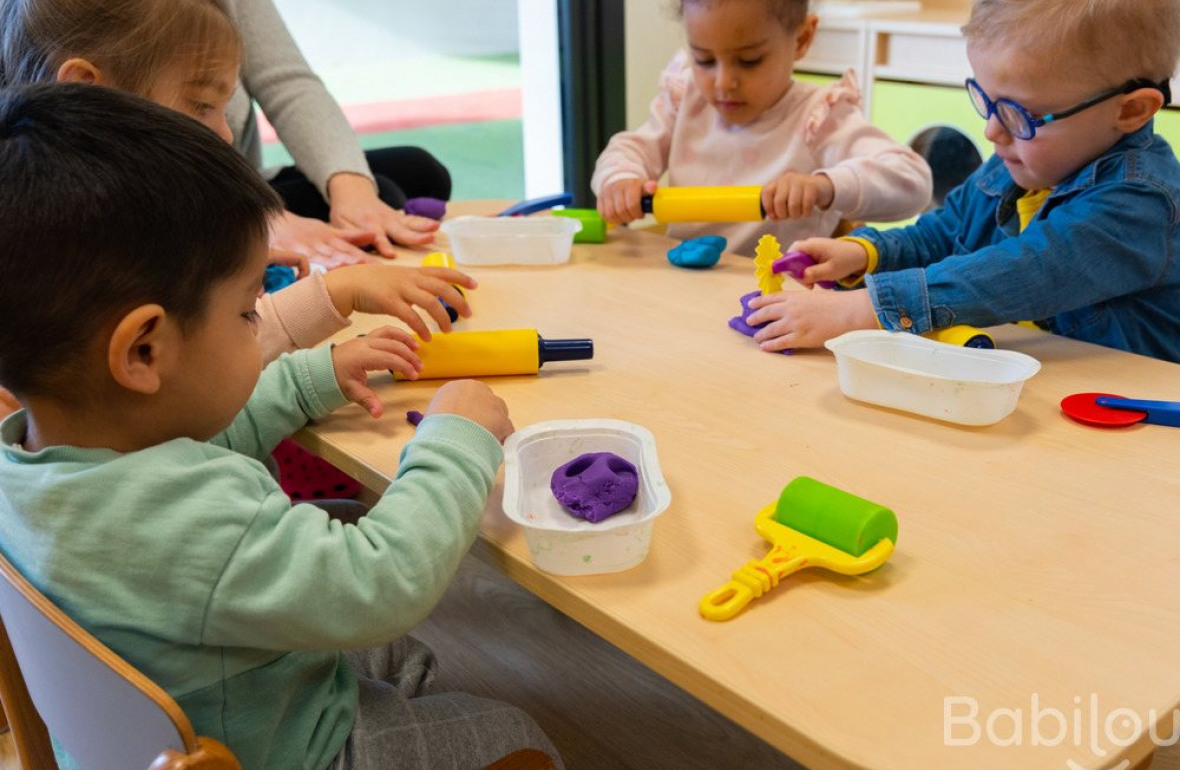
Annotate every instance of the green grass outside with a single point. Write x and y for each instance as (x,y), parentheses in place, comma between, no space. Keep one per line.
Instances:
(486,159)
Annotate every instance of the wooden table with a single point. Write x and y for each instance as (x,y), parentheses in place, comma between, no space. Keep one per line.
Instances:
(1037,563)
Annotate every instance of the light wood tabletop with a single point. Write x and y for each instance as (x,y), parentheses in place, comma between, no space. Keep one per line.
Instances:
(1029,617)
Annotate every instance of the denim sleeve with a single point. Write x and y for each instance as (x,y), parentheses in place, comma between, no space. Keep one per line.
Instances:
(1108,241)
(931,239)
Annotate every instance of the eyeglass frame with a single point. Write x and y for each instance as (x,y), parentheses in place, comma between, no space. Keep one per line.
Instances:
(1037,121)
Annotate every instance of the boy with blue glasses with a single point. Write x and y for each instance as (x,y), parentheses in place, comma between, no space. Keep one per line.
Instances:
(1074,222)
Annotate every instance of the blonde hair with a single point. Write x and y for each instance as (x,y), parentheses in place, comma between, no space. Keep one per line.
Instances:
(131,41)
(1119,39)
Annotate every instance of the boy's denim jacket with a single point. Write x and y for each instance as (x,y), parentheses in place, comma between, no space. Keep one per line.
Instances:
(1097,263)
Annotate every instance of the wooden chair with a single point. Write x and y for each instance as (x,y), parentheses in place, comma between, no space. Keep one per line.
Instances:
(55,675)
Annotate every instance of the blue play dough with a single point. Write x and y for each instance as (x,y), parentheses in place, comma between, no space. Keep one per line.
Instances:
(698,252)
(278,277)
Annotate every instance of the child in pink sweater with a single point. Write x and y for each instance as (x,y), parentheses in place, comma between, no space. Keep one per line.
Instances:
(730,113)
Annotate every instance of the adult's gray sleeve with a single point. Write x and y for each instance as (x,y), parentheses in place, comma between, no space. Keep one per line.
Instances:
(307,119)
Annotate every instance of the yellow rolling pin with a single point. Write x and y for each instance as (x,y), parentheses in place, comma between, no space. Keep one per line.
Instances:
(811,525)
(494,353)
(705,204)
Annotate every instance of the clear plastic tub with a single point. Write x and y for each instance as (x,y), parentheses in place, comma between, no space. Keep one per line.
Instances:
(563,544)
(544,240)
(969,386)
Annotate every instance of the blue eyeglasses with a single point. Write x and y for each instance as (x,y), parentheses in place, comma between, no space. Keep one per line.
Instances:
(1023,124)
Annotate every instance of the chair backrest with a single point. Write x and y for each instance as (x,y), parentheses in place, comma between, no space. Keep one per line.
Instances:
(99,708)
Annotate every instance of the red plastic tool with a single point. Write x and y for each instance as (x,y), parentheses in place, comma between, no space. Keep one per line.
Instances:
(1084,408)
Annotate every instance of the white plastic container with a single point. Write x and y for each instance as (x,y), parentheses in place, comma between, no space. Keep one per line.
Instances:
(559,542)
(969,386)
(511,240)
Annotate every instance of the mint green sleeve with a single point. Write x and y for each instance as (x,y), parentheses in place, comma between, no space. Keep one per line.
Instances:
(301,581)
(292,390)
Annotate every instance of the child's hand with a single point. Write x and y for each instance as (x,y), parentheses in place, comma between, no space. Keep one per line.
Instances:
(795,196)
(475,401)
(835,259)
(319,241)
(395,290)
(298,262)
(384,349)
(619,201)
(8,403)
(808,319)
(356,206)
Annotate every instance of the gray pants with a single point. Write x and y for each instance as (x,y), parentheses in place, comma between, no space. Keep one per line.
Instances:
(399,725)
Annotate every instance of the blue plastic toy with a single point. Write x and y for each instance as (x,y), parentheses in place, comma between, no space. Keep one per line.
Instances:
(698,252)
(533,205)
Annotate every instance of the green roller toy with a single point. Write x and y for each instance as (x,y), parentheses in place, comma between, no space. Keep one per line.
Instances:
(811,525)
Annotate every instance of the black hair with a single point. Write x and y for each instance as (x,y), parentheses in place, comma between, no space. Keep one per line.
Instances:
(108,202)
(790,13)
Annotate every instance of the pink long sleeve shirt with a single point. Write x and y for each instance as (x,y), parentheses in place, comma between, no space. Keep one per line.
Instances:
(812,129)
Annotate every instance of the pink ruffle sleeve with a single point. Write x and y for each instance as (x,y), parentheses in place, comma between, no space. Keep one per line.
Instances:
(875,177)
(643,153)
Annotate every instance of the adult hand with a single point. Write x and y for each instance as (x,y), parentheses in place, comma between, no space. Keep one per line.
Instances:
(355,206)
(318,241)
(294,260)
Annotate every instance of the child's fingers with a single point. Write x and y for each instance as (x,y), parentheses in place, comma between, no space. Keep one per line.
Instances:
(358,392)
(429,302)
(635,202)
(384,355)
(781,342)
(768,193)
(406,368)
(395,334)
(804,200)
(451,276)
(457,300)
(381,351)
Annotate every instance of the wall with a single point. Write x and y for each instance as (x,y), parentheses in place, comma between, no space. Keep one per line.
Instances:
(653,35)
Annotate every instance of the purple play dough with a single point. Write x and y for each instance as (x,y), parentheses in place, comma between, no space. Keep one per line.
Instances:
(426,207)
(738,322)
(595,485)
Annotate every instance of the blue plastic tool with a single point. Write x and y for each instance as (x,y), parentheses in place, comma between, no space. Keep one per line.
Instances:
(1158,412)
(533,205)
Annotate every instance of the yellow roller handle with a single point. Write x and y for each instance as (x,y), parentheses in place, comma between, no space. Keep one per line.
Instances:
(791,551)
(705,204)
(750,581)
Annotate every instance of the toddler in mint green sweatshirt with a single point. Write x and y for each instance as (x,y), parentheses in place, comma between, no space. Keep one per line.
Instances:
(131,488)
